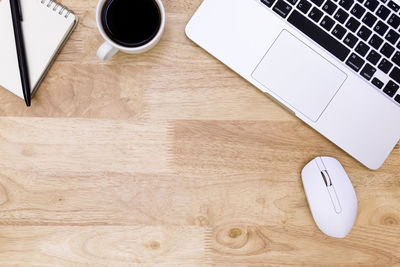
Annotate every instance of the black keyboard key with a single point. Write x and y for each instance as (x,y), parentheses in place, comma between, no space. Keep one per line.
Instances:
(346,4)
(392,36)
(391,88)
(293,2)
(352,24)
(385,65)
(315,14)
(398,45)
(317,2)
(397,98)
(395,74)
(304,6)
(383,12)
(396,58)
(377,83)
(282,8)
(381,28)
(364,33)
(368,71)
(341,15)
(373,57)
(268,3)
(327,23)
(355,62)
(375,41)
(387,50)
(362,48)
(357,11)
(395,7)
(371,5)
(394,21)
(339,31)
(350,40)
(369,19)
(318,35)
(329,7)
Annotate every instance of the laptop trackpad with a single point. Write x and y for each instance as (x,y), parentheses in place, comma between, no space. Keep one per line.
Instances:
(299,75)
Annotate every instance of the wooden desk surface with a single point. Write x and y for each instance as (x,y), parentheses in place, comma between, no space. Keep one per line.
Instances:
(171,158)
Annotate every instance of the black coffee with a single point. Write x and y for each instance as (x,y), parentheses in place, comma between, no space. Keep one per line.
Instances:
(131,23)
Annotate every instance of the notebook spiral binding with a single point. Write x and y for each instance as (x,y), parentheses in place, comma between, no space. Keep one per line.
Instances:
(62,10)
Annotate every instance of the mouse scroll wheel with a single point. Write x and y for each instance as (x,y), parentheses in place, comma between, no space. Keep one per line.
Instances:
(326,178)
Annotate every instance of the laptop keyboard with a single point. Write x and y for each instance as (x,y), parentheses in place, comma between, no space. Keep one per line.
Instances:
(364,34)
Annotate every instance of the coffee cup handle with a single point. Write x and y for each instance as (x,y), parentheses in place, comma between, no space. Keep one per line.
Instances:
(106,51)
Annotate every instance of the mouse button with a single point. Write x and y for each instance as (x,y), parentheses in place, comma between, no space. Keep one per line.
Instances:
(330,163)
(320,164)
(316,191)
(311,177)
(334,199)
(310,171)
(341,182)
(348,199)
(335,170)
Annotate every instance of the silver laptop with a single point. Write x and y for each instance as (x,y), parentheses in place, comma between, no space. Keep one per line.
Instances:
(334,63)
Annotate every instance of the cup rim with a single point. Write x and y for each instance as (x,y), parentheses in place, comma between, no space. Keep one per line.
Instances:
(144,47)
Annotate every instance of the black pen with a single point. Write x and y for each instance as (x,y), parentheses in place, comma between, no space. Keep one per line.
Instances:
(16,14)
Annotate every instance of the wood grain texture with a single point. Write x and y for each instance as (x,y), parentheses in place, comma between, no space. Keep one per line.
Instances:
(170,159)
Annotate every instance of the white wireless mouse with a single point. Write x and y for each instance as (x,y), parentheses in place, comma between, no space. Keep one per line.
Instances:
(330,195)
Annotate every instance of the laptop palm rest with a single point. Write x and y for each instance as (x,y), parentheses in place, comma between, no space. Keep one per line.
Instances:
(298,75)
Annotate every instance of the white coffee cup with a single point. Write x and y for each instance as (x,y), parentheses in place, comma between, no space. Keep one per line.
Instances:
(109,48)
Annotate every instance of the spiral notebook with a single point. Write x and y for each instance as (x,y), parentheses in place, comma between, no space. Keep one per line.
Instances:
(46,26)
